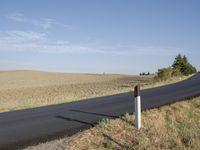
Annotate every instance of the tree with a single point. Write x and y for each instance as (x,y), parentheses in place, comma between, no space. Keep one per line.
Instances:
(181,63)
(178,62)
(188,69)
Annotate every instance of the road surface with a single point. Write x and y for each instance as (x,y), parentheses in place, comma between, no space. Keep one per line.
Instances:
(31,126)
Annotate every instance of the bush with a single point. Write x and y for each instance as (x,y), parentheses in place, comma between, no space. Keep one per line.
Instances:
(164,73)
(103,123)
(176,73)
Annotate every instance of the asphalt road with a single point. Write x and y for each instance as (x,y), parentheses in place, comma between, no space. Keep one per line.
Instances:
(30,126)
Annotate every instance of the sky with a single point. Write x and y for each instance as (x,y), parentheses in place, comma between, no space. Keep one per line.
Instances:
(96,36)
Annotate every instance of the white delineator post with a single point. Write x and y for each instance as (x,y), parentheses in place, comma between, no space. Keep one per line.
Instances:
(137,107)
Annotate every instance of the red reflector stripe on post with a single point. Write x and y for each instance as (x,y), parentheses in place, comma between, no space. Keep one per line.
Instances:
(137,91)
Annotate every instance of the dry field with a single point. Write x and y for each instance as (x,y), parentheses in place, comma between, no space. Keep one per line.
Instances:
(27,89)
(176,126)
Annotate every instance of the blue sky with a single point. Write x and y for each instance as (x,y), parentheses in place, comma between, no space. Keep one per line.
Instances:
(95,36)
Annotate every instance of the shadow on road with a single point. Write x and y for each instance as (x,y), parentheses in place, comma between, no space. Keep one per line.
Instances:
(95,114)
(75,120)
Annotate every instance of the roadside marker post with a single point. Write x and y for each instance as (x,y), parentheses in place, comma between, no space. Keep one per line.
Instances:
(137,107)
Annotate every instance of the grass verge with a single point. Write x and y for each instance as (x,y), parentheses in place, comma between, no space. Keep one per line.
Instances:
(157,83)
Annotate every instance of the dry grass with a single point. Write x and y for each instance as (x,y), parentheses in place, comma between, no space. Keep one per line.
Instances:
(157,83)
(27,89)
(176,126)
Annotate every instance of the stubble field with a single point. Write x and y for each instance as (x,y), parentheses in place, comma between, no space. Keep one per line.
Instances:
(27,89)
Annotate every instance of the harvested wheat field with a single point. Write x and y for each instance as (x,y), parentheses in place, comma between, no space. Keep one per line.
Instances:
(176,126)
(27,89)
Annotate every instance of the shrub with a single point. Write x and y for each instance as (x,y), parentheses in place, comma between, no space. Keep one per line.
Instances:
(109,145)
(103,123)
(176,73)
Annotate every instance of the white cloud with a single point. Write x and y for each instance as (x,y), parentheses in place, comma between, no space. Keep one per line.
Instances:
(148,51)
(61,42)
(44,23)
(47,23)
(18,17)
(17,40)
(24,35)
